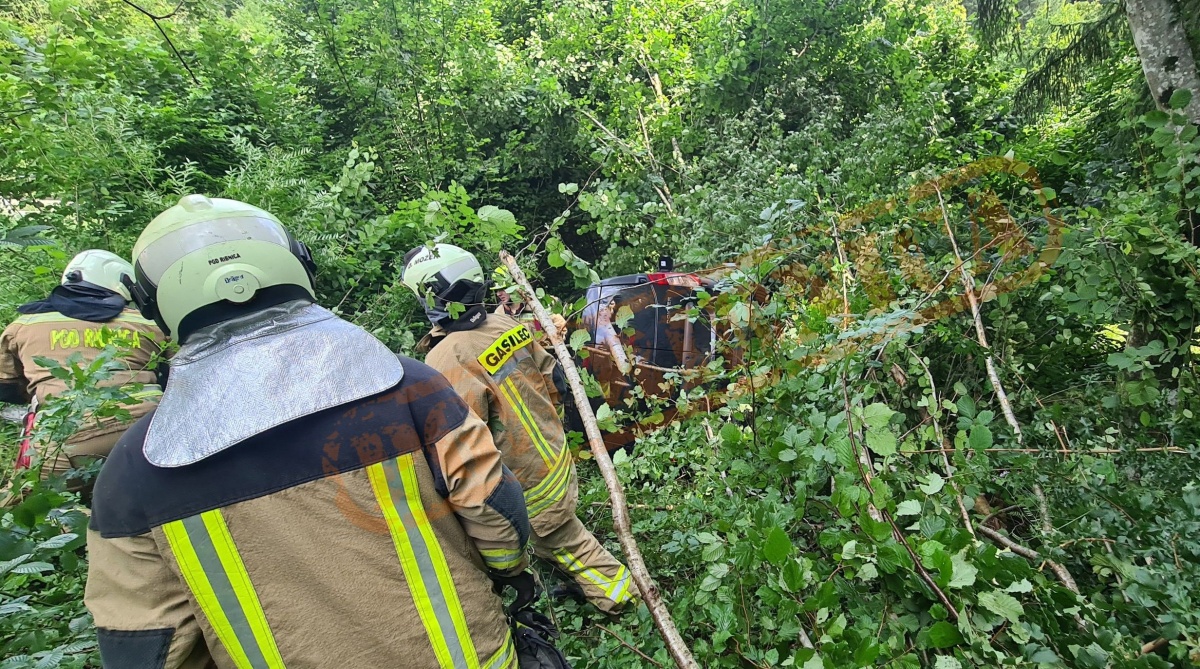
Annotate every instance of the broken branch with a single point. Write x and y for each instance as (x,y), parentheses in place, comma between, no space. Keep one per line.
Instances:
(676,646)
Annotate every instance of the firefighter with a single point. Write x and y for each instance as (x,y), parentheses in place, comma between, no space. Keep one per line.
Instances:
(507,379)
(87,312)
(301,496)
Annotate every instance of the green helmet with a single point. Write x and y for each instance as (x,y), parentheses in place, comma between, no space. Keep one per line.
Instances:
(443,273)
(207,260)
(101,269)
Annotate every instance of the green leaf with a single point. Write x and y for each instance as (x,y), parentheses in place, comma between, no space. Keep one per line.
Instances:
(980,438)
(814,662)
(788,455)
(909,507)
(1022,585)
(1156,119)
(793,575)
(731,434)
(933,484)
(1049,194)
(579,338)
(946,662)
(964,572)
(777,546)
(877,415)
(1180,98)
(882,441)
(713,552)
(944,635)
(1002,605)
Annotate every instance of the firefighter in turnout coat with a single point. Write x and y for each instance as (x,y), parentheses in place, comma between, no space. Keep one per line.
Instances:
(87,312)
(507,379)
(301,497)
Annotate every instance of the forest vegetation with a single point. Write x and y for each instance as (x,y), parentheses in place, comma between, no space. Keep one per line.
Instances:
(1011,481)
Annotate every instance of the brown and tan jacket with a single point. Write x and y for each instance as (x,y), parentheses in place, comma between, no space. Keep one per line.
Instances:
(55,336)
(507,379)
(359,536)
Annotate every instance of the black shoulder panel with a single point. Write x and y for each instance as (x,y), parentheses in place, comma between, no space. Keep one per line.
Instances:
(143,649)
(131,495)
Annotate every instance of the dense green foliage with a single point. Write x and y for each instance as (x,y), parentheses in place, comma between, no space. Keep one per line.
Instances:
(815,521)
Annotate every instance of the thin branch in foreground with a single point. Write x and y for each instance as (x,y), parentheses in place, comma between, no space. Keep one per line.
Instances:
(676,646)
(156,18)
(1060,571)
(626,644)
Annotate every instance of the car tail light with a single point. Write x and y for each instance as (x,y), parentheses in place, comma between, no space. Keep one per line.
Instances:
(673,279)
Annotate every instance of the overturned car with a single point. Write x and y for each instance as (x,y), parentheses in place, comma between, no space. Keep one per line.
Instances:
(652,337)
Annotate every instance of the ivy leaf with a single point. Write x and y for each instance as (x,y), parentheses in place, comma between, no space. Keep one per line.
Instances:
(909,507)
(933,484)
(1002,605)
(944,635)
(777,546)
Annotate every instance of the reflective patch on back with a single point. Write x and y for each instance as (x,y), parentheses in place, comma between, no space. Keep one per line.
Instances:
(501,350)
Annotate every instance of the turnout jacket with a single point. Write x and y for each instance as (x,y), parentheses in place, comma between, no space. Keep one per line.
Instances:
(55,336)
(507,379)
(358,536)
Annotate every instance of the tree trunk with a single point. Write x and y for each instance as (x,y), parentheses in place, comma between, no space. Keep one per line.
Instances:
(1166,55)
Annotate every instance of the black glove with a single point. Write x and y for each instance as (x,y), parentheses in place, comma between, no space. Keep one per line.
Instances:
(525,585)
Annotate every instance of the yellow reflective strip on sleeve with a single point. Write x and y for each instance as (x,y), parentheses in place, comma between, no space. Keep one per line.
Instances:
(505,657)
(423,562)
(197,581)
(498,353)
(243,589)
(615,589)
(550,489)
(510,392)
(501,558)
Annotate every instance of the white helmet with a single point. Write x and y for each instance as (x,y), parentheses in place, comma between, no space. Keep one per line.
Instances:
(442,274)
(101,269)
(207,260)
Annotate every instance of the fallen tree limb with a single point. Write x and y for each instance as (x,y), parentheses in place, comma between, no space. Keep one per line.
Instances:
(1154,646)
(676,646)
(1060,571)
(1097,451)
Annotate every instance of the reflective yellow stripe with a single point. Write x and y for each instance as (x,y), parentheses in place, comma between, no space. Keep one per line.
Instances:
(552,488)
(49,317)
(501,558)
(616,589)
(423,562)
(217,577)
(510,392)
(504,658)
